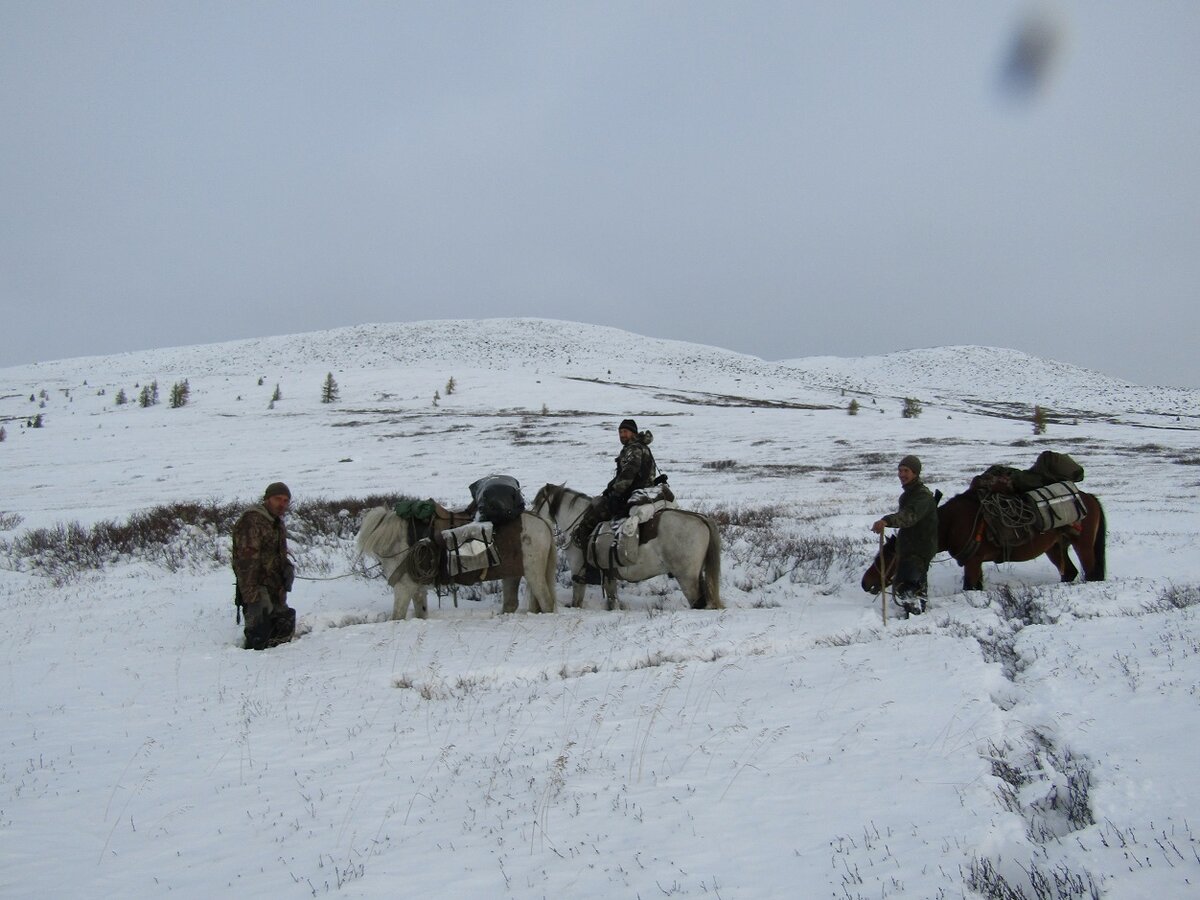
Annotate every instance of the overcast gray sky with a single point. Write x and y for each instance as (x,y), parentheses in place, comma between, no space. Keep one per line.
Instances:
(783,179)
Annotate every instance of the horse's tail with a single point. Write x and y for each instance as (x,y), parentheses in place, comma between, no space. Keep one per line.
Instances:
(711,581)
(1098,570)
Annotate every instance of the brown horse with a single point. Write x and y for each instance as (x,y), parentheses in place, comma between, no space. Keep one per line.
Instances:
(962,534)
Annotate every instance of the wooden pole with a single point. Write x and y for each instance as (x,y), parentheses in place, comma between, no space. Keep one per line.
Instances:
(883,581)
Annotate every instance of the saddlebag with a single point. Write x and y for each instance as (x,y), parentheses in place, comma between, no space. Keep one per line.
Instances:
(1057,505)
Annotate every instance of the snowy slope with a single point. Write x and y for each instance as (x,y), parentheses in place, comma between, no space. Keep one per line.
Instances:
(1027,739)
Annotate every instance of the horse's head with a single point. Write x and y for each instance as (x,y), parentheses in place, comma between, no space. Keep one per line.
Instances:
(547,500)
(873,580)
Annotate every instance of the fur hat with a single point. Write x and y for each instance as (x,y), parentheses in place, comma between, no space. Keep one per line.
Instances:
(628,423)
(275,488)
(911,462)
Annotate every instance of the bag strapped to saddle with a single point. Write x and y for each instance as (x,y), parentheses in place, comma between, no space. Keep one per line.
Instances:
(470,548)
(497,499)
(1057,505)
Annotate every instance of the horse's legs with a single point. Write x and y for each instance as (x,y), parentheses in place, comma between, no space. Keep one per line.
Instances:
(509,588)
(690,585)
(578,589)
(419,605)
(1062,561)
(973,575)
(402,594)
(610,593)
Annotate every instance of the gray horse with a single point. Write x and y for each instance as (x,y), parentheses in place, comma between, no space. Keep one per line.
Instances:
(384,535)
(686,546)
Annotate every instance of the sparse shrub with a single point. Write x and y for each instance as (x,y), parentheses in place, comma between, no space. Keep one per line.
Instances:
(911,408)
(1175,596)
(720,465)
(9,521)
(852,409)
(329,390)
(1021,604)
(178,536)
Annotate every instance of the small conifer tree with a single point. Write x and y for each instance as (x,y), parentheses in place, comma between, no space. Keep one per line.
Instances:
(912,408)
(278,395)
(436,398)
(3,433)
(121,399)
(1039,420)
(179,394)
(37,421)
(329,390)
(852,409)
(450,386)
(145,397)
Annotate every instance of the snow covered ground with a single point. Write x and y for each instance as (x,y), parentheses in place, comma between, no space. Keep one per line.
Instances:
(1031,740)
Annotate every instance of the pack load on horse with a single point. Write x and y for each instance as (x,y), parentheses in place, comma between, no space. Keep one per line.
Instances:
(669,541)
(495,500)
(1019,504)
(421,543)
(1033,526)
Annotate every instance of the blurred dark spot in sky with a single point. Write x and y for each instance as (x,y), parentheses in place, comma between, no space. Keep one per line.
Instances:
(1031,56)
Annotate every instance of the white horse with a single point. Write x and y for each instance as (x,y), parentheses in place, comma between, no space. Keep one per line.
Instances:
(384,535)
(686,546)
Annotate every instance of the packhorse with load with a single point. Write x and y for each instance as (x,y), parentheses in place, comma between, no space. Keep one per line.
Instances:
(421,544)
(1015,515)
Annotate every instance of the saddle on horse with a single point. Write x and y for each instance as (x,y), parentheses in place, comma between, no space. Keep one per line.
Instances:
(615,542)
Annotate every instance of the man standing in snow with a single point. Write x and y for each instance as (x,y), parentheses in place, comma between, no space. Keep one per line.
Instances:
(916,542)
(635,469)
(263,571)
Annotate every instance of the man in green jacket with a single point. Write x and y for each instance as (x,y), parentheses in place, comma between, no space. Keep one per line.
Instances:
(263,571)
(635,469)
(916,542)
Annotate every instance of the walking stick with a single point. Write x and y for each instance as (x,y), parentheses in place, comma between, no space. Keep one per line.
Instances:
(883,581)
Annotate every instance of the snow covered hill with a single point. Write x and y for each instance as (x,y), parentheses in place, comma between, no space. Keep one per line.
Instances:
(1025,741)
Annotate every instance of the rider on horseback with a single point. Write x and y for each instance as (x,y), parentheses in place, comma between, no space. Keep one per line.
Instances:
(635,469)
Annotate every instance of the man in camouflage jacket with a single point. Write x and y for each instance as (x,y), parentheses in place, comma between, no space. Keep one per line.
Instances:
(635,469)
(263,571)
(916,542)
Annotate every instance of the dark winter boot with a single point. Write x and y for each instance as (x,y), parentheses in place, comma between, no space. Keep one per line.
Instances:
(258,635)
(283,627)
